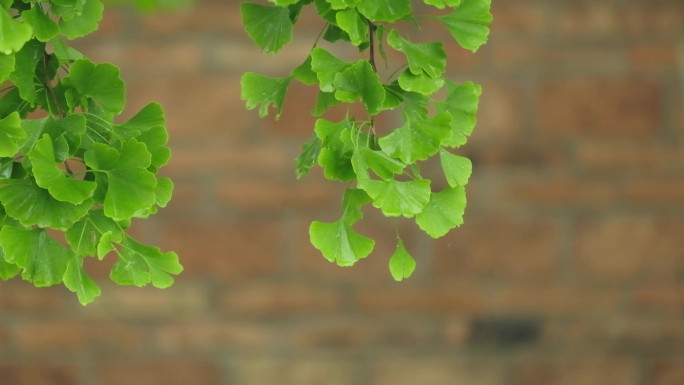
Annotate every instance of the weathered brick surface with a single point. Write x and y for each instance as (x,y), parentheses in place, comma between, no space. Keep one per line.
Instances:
(568,269)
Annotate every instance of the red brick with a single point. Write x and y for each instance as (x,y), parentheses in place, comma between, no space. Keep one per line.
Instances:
(499,115)
(263,194)
(22,297)
(599,106)
(215,17)
(60,337)
(658,297)
(485,248)
(588,19)
(630,247)
(201,336)
(668,372)
(573,371)
(279,299)
(225,249)
(182,300)
(158,372)
(439,370)
(351,333)
(519,19)
(628,156)
(447,298)
(653,56)
(662,191)
(553,299)
(38,373)
(533,189)
(260,371)
(654,20)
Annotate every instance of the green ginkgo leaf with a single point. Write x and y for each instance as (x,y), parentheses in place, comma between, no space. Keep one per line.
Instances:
(303,73)
(462,103)
(401,263)
(360,81)
(342,4)
(269,27)
(351,22)
(384,10)
(382,164)
(31,205)
(443,3)
(7,270)
(334,155)
(76,280)
(151,116)
(11,135)
(130,186)
(24,75)
(418,139)
(42,259)
(263,91)
(43,27)
(83,22)
(140,265)
(307,158)
(326,66)
(6,66)
(337,241)
(49,176)
(429,58)
(13,34)
(457,169)
(422,83)
(395,198)
(469,23)
(84,236)
(100,83)
(444,212)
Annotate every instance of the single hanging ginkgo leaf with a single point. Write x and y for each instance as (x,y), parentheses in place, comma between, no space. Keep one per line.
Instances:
(401,263)
(461,102)
(42,259)
(13,34)
(76,280)
(395,198)
(429,58)
(83,22)
(337,241)
(262,91)
(444,212)
(269,27)
(468,24)
(140,265)
(457,169)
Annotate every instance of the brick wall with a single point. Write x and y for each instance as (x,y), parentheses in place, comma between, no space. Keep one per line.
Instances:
(569,269)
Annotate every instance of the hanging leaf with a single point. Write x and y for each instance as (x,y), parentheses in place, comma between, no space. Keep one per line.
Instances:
(14,34)
(269,27)
(417,139)
(401,263)
(359,81)
(384,10)
(11,135)
(469,23)
(397,198)
(428,58)
(457,169)
(262,91)
(444,212)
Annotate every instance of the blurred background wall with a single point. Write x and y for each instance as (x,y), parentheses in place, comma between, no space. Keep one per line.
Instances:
(569,268)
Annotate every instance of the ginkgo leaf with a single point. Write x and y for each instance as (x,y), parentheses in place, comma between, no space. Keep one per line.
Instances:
(337,241)
(7,270)
(6,66)
(307,158)
(351,22)
(443,3)
(422,83)
(83,22)
(326,66)
(382,164)
(155,140)
(13,34)
(469,23)
(334,155)
(462,103)
(49,176)
(443,212)
(76,280)
(418,139)
(43,27)
(100,82)
(384,10)
(163,192)
(140,265)
(11,135)
(359,81)
(151,116)
(31,205)
(429,58)
(401,263)
(130,186)
(42,259)
(263,91)
(395,198)
(342,4)
(84,236)
(457,169)
(24,75)
(269,27)
(303,73)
